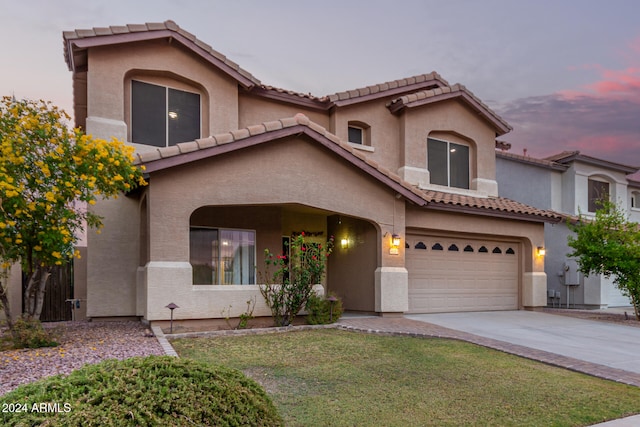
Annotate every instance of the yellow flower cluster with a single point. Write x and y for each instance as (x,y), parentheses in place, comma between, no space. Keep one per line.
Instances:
(45,169)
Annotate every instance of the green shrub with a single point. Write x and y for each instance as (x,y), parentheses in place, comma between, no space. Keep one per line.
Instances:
(151,391)
(29,333)
(320,310)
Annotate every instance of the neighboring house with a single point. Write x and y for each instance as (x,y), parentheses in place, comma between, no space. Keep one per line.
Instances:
(570,183)
(235,166)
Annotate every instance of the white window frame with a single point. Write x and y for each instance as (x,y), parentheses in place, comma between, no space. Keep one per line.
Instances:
(449,143)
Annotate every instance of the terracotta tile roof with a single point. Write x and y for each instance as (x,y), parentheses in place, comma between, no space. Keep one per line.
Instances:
(183,153)
(390,88)
(447,92)
(494,206)
(532,160)
(77,40)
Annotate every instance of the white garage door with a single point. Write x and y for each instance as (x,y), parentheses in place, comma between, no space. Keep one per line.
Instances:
(449,275)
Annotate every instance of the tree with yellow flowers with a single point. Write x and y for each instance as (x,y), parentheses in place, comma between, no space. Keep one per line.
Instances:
(48,175)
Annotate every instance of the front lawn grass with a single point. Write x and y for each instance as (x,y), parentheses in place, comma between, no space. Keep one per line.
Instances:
(337,378)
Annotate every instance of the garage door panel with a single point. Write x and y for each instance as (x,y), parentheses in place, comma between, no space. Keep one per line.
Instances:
(464,280)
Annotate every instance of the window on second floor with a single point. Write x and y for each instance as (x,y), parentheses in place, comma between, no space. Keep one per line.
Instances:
(448,163)
(635,200)
(356,135)
(163,116)
(598,193)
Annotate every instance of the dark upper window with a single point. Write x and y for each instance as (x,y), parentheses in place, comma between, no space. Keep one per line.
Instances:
(163,116)
(598,193)
(448,163)
(356,135)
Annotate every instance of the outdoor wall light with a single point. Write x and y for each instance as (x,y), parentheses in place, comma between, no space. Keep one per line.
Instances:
(541,251)
(395,240)
(344,243)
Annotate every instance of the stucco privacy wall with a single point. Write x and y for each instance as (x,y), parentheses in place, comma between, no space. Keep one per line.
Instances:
(529,235)
(269,174)
(453,121)
(111,69)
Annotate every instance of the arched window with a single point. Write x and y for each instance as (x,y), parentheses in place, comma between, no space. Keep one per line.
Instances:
(598,193)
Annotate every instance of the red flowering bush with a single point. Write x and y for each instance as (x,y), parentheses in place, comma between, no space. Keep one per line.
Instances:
(288,289)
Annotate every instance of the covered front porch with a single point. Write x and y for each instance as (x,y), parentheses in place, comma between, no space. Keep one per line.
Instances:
(226,262)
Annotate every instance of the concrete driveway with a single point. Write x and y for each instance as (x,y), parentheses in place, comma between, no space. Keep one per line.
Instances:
(608,344)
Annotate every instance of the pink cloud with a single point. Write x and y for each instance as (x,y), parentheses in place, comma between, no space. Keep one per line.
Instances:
(617,82)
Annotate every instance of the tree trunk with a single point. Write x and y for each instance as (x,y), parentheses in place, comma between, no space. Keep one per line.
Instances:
(4,300)
(635,303)
(34,293)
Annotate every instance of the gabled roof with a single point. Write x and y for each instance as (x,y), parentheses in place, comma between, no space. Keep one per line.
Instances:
(457,91)
(187,152)
(77,42)
(567,157)
(395,87)
(545,163)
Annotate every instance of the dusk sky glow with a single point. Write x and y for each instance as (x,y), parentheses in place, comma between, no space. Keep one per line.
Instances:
(565,74)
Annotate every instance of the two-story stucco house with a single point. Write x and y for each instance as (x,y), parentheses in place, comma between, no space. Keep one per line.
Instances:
(235,166)
(571,183)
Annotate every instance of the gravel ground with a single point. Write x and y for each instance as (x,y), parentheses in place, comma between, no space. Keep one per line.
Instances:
(80,343)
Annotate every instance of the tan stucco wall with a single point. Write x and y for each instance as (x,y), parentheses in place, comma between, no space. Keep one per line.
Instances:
(280,172)
(112,259)
(455,122)
(111,68)
(255,110)
(384,131)
(294,171)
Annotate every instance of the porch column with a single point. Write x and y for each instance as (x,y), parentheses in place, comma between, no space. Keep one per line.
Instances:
(392,277)
(534,285)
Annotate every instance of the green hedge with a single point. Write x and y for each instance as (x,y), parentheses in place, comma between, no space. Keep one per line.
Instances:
(151,391)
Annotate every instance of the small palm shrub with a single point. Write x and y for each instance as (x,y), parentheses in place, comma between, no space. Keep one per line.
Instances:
(150,391)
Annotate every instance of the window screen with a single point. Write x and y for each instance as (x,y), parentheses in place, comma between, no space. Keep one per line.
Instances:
(437,161)
(148,114)
(163,116)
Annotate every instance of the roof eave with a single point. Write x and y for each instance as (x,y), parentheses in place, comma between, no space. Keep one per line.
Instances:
(361,163)
(76,44)
(427,84)
(492,212)
(500,126)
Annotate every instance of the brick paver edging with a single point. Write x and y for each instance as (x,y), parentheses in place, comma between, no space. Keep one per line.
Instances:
(414,328)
